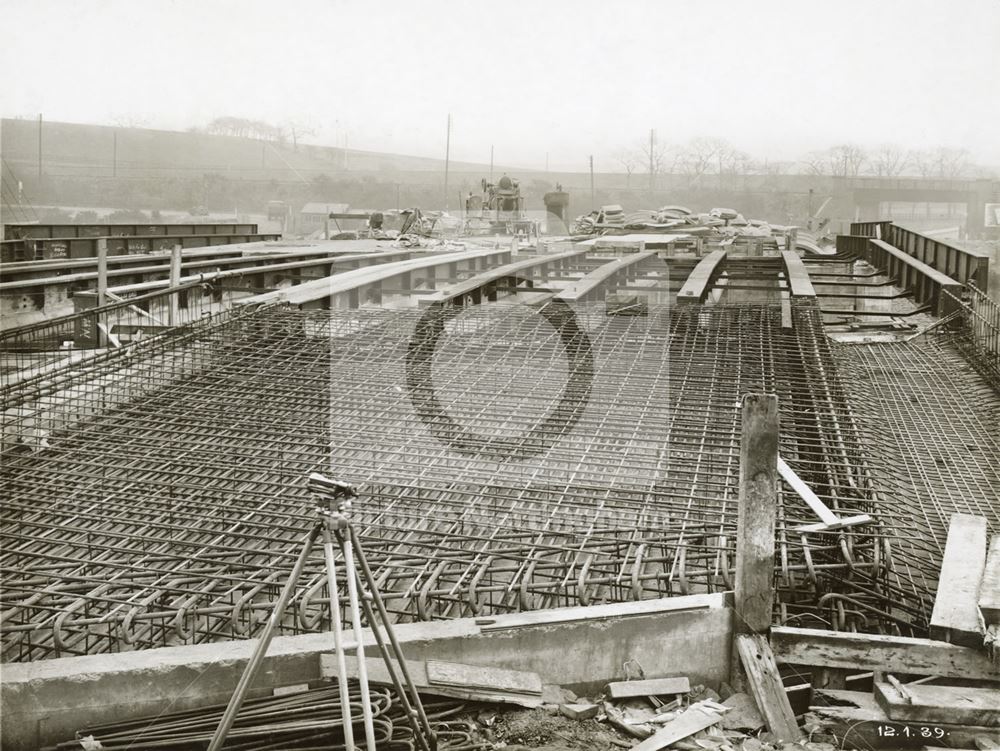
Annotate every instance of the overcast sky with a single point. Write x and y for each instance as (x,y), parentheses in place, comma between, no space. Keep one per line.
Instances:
(567,79)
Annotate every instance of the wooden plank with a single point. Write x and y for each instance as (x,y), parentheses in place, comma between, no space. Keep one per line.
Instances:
(594,279)
(894,654)
(828,520)
(859,722)
(786,313)
(475,676)
(958,705)
(989,588)
(689,722)
(652,687)
(766,686)
(466,286)
(806,494)
(378,673)
(956,617)
(799,283)
(696,286)
(754,583)
(346,281)
(556,616)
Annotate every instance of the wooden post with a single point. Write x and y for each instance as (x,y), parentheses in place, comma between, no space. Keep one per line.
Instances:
(757,511)
(326,228)
(102,291)
(102,271)
(173,314)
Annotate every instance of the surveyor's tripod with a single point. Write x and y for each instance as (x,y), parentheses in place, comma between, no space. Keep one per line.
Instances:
(333,501)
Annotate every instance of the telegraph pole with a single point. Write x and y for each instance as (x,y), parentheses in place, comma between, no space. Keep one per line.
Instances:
(114,166)
(39,146)
(652,140)
(447,156)
(491,162)
(592,199)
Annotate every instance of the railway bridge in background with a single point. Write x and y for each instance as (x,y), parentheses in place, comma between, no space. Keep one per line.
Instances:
(867,194)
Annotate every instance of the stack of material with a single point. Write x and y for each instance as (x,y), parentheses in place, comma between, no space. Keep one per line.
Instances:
(310,718)
(613,215)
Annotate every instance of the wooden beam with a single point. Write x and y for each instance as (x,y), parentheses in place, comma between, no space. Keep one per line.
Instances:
(593,280)
(956,617)
(958,705)
(766,687)
(102,271)
(689,722)
(786,313)
(173,312)
(474,676)
(799,283)
(652,687)
(696,286)
(989,588)
(471,683)
(894,654)
(757,510)
(857,721)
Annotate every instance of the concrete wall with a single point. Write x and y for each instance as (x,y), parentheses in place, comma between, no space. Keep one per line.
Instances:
(46,702)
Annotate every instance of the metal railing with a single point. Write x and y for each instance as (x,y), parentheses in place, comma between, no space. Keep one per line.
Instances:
(961,264)
(37,350)
(852,244)
(879,230)
(978,332)
(14,231)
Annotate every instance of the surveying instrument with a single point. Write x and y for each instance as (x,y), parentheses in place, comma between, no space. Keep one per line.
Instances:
(333,501)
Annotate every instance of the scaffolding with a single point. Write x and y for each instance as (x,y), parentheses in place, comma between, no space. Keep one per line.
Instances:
(162,496)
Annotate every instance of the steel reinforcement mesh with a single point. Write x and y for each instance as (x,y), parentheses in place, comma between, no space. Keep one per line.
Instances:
(931,424)
(157,496)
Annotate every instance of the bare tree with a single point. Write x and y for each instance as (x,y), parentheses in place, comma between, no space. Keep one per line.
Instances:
(815,163)
(242,127)
(130,121)
(889,160)
(299,129)
(629,160)
(950,163)
(733,160)
(702,156)
(654,156)
(847,160)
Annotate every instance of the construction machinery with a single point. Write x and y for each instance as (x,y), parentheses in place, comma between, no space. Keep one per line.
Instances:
(499,210)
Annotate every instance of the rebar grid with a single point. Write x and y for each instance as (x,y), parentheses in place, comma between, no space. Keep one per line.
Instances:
(166,503)
(931,425)
(977,334)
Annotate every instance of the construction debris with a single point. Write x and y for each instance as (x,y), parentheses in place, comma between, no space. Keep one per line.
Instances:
(743,713)
(855,720)
(694,718)
(654,687)
(579,711)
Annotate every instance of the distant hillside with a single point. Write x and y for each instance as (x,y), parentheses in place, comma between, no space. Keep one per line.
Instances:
(72,149)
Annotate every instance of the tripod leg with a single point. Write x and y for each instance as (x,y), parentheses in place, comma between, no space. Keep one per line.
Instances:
(257,658)
(352,595)
(427,740)
(338,638)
